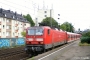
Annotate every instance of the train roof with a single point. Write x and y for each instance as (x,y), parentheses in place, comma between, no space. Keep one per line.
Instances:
(72,33)
(46,27)
(38,27)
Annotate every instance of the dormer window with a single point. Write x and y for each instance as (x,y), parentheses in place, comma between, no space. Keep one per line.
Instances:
(17,18)
(13,17)
(21,18)
(5,15)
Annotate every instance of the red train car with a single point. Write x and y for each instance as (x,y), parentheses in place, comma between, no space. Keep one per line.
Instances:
(41,38)
(72,36)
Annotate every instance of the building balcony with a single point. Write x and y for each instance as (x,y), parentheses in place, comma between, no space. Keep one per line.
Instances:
(8,36)
(8,30)
(16,25)
(8,23)
(0,29)
(16,30)
(16,36)
(24,29)
(0,22)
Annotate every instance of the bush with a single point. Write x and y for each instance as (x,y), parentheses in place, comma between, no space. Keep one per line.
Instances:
(23,34)
(85,40)
(86,34)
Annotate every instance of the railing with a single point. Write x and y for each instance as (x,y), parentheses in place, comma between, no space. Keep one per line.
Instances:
(16,25)
(8,23)
(0,29)
(8,29)
(0,22)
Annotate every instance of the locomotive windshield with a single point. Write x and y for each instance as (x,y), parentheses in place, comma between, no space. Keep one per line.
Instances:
(39,31)
(31,32)
(35,32)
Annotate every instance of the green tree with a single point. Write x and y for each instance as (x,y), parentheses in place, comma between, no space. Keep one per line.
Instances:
(23,33)
(47,22)
(67,27)
(28,17)
(86,34)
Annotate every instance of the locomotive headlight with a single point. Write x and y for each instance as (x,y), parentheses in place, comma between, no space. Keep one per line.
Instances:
(30,39)
(39,39)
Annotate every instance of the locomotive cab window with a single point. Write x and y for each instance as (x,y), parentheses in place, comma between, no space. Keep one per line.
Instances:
(31,32)
(39,31)
(48,31)
(35,31)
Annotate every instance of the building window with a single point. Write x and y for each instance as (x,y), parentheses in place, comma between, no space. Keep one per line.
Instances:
(58,18)
(3,26)
(21,27)
(7,33)
(15,22)
(8,27)
(58,14)
(0,20)
(13,34)
(3,33)
(3,19)
(0,26)
(45,15)
(45,11)
(36,18)
(0,33)
(13,27)
(24,24)
(8,20)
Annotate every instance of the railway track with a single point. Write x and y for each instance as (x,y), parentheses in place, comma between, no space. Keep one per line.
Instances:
(13,54)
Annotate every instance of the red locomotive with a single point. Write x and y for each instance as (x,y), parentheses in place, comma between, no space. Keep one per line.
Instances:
(41,38)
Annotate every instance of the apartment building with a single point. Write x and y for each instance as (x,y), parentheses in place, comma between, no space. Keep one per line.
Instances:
(12,24)
(42,14)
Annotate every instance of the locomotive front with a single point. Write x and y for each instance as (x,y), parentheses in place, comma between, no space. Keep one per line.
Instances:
(34,40)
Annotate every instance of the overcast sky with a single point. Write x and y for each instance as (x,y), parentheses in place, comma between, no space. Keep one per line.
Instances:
(76,12)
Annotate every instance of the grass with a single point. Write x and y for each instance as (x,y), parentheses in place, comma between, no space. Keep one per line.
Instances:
(31,58)
(84,44)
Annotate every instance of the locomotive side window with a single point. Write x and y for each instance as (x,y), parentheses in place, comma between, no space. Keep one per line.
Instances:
(68,36)
(48,31)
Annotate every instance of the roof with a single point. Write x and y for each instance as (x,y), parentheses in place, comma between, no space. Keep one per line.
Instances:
(12,15)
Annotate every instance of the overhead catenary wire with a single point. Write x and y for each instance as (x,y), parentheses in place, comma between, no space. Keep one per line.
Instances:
(24,6)
(27,8)
(18,8)
(13,7)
